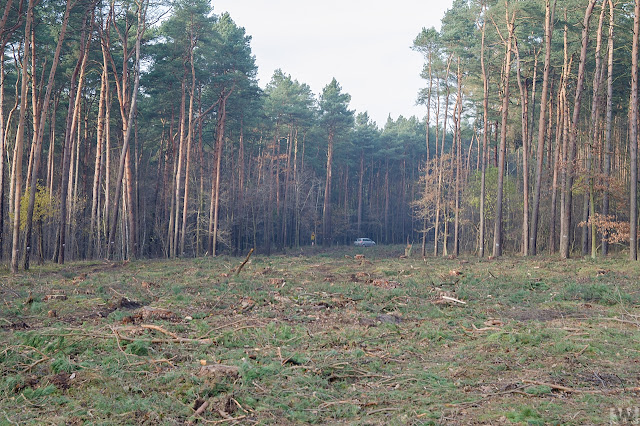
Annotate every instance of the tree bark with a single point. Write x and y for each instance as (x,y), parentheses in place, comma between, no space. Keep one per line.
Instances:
(215,190)
(39,136)
(103,104)
(485,139)
(326,208)
(535,213)
(497,234)
(141,14)
(190,124)
(587,207)
(360,183)
(441,162)
(633,139)
(458,143)
(18,148)
(524,114)
(428,119)
(573,135)
(608,123)
(175,217)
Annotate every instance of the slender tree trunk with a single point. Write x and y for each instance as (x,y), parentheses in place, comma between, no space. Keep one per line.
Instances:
(497,234)
(175,220)
(222,115)
(485,139)
(439,189)
(428,119)
(608,123)
(588,207)
(39,136)
(287,178)
(241,185)
(97,175)
(535,213)
(556,167)
(107,170)
(633,139)
(3,148)
(326,209)
(141,14)
(131,200)
(360,182)
(185,205)
(524,114)
(458,142)
(18,148)
(5,33)
(573,134)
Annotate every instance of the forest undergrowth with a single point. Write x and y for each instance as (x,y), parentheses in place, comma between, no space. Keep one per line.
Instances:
(347,335)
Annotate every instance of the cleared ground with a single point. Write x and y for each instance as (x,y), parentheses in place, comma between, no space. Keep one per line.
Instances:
(322,337)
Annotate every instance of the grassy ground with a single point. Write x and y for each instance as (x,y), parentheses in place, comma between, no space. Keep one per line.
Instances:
(321,337)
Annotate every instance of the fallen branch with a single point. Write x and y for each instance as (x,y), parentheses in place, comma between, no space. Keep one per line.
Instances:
(198,413)
(161,330)
(636,323)
(175,336)
(582,350)
(30,366)
(201,409)
(480,330)
(453,299)
(128,339)
(573,390)
(154,362)
(554,386)
(245,262)
(230,419)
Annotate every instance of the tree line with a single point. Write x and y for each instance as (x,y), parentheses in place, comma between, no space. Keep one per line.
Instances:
(545,94)
(130,128)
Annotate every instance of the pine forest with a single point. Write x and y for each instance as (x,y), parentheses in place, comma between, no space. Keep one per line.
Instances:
(135,129)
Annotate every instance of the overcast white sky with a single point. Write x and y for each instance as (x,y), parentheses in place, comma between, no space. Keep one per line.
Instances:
(364,44)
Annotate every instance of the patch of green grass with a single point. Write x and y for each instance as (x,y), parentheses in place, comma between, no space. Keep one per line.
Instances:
(138,347)
(323,348)
(34,395)
(595,292)
(62,365)
(526,415)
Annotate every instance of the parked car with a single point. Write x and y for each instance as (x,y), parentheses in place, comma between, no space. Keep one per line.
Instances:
(364,242)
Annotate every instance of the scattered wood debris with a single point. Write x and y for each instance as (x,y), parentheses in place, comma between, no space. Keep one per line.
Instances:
(80,278)
(29,299)
(151,313)
(218,371)
(444,298)
(50,297)
(281,299)
(277,281)
(453,299)
(386,284)
(389,319)
(247,304)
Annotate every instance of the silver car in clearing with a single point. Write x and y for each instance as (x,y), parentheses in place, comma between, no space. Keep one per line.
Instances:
(364,242)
